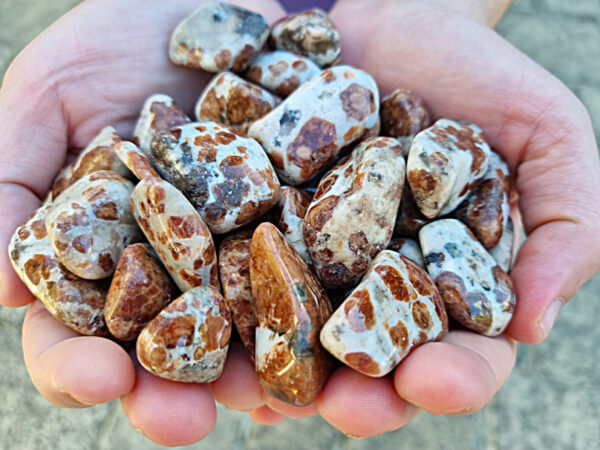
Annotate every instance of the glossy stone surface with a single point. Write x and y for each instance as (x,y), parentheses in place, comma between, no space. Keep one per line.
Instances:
(225,174)
(98,155)
(503,251)
(351,217)
(291,307)
(234,101)
(90,224)
(477,292)
(189,339)
(409,248)
(76,302)
(218,36)
(234,270)
(403,115)
(445,162)
(160,112)
(306,133)
(410,219)
(135,160)
(485,211)
(281,72)
(394,309)
(177,232)
(139,290)
(310,33)
(289,218)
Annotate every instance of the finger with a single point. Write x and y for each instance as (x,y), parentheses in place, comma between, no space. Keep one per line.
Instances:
(458,375)
(288,410)
(168,412)
(361,406)
(71,370)
(266,416)
(237,387)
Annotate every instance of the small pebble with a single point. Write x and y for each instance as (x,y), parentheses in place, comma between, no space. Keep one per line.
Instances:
(135,160)
(289,218)
(409,248)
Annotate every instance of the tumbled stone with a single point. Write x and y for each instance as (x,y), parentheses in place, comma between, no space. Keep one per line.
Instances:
(189,339)
(177,232)
(409,248)
(394,309)
(291,307)
(476,290)
(139,290)
(403,115)
(281,72)
(503,251)
(98,155)
(309,33)
(218,36)
(76,302)
(135,160)
(234,269)
(225,174)
(485,211)
(306,133)
(445,162)
(410,219)
(234,101)
(160,112)
(90,224)
(351,217)
(289,217)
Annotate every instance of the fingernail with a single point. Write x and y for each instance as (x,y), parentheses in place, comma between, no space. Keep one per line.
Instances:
(550,316)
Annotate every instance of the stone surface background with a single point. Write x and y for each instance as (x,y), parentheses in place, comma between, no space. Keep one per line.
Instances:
(552,400)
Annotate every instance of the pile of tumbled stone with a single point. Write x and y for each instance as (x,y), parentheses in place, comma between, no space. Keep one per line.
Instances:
(285,171)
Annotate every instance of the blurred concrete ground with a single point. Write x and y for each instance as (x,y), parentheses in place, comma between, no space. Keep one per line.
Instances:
(551,401)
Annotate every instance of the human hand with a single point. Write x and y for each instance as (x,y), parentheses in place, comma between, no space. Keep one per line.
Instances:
(466,71)
(93,68)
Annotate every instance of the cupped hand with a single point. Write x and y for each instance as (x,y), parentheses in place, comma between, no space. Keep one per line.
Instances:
(92,68)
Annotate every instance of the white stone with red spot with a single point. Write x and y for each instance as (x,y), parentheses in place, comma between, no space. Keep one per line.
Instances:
(189,339)
(310,33)
(135,160)
(409,248)
(234,101)
(289,218)
(160,112)
(503,251)
(352,215)
(476,290)
(281,72)
(177,232)
(445,162)
(394,309)
(225,174)
(76,302)
(305,134)
(218,36)
(90,224)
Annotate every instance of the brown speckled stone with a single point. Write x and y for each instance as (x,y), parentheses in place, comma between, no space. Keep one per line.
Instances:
(309,33)
(177,232)
(503,251)
(234,269)
(307,132)
(394,309)
(291,306)
(403,115)
(218,36)
(189,339)
(225,174)
(351,217)
(289,217)
(135,160)
(90,224)
(410,219)
(476,291)
(139,290)
(76,302)
(409,248)
(234,101)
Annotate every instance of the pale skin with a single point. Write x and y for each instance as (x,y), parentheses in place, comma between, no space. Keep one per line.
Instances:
(97,64)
